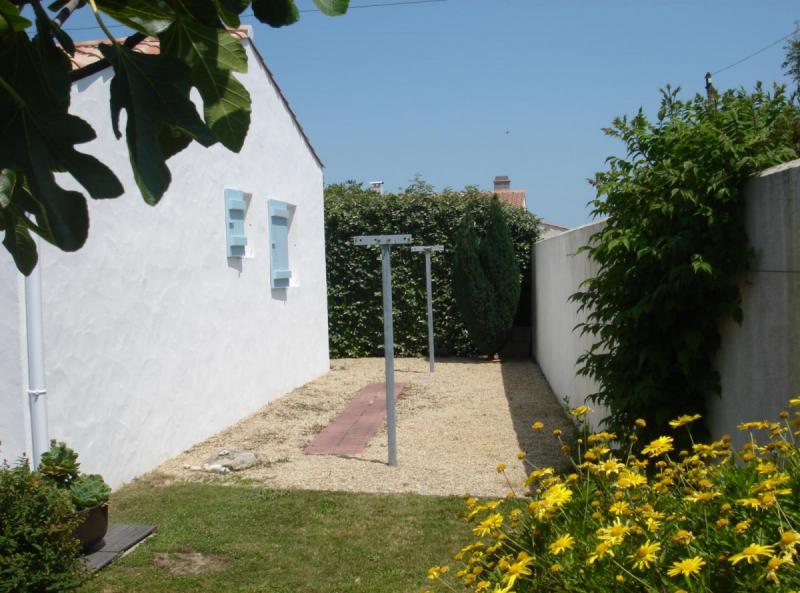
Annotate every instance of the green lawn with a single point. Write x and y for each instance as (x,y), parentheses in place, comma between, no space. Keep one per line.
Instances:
(240,538)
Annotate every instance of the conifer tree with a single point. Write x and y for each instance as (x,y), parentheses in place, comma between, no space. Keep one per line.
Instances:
(499,263)
(486,282)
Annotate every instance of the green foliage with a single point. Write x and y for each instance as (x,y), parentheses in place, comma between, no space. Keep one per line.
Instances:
(40,135)
(60,464)
(89,491)
(792,62)
(354,273)
(674,248)
(486,281)
(473,294)
(37,550)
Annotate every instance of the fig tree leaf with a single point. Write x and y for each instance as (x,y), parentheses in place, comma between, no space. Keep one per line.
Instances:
(213,54)
(150,89)
(276,13)
(39,137)
(150,17)
(229,11)
(10,19)
(332,7)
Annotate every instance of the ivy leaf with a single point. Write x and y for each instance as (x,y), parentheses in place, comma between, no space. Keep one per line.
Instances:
(148,88)
(39,137)
(332,7)
(213,54)
(276,13)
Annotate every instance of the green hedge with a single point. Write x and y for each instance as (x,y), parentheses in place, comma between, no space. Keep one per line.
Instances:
(354,273)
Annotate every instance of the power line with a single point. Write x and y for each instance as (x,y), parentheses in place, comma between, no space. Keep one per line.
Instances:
(251,15)
(378,5)
(755,53)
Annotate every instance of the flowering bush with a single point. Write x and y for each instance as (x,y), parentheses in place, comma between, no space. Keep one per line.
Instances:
(705,519)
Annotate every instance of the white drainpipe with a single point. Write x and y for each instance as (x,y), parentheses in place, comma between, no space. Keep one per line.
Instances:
(36,378)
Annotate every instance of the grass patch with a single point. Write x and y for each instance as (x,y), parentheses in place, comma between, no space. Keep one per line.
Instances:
(232,538)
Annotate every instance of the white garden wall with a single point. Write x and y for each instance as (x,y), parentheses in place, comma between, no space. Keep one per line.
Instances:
(154,339)
(558,269)
(759,362)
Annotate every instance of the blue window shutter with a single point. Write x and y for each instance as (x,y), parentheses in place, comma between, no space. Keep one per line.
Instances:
(279,243)
(235,207)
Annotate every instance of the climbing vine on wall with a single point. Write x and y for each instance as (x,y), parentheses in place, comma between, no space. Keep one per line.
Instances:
(674,249)
(355,317)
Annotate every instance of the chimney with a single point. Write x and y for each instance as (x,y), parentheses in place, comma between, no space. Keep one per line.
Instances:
(376,186)
(502,182)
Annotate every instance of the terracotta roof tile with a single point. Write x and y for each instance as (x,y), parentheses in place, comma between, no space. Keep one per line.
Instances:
(515,197)
(88,52)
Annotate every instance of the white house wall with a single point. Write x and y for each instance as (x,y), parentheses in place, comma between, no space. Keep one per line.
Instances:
(13,418)
(154,339)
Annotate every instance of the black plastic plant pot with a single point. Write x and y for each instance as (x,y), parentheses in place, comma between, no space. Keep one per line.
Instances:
(93,528)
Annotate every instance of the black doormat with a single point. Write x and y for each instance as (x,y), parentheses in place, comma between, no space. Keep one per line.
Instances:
(119,538)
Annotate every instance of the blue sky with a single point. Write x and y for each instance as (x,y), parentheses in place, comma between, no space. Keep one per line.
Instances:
(463,90)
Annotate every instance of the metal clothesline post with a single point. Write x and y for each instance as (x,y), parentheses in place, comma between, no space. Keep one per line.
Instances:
(386,242)
(427,250)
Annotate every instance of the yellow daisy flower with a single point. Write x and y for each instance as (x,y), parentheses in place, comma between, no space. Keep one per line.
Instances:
(645,555)
(684,420)
(489,524)
(686,567)
(659,446)
(580,411)
(562,544)
(751,554)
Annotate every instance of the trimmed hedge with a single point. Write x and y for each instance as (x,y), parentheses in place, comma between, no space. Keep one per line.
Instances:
(355,313)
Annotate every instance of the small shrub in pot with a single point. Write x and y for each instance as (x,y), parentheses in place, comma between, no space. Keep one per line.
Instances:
(38,551)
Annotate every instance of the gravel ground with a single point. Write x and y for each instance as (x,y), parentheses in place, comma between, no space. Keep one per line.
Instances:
(453,427)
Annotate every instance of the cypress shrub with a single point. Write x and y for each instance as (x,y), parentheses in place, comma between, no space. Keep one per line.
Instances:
(473,293)
(486,281)
(502,270)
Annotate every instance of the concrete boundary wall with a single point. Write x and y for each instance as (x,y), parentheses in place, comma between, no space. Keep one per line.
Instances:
(759,362)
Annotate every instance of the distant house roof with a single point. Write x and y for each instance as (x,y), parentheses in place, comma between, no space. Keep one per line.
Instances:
(515,197)
(88,53)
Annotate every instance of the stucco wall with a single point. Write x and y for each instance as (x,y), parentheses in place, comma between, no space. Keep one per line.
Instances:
(759,362)
(13,403)
(154,339)
(558,269)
